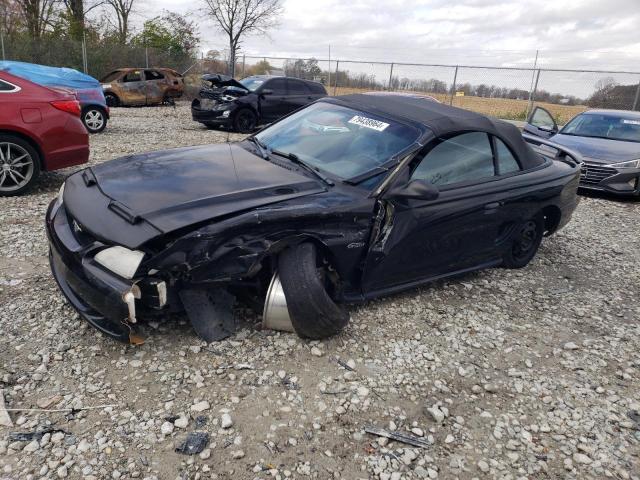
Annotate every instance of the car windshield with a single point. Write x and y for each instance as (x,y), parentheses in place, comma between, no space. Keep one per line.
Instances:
(252,83)
(341,141)
(608,126)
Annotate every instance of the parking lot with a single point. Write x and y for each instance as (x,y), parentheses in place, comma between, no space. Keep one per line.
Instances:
(531,373)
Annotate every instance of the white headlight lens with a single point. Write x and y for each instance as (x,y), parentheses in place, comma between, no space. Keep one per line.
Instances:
(61,192)
(120,260)
(629,164)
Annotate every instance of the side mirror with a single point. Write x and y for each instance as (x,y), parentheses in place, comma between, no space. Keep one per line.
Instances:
(416,190)
(266,91)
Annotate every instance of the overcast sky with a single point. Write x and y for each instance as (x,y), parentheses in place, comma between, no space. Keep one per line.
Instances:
(595,34)
(569,33)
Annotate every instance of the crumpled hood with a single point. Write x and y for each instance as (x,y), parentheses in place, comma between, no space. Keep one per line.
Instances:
(219,81)
(600,150)
(156,193)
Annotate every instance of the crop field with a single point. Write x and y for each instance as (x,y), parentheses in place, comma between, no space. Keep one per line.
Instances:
(505,108)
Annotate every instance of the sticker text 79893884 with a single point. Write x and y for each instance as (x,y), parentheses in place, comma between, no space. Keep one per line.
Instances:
(368,123)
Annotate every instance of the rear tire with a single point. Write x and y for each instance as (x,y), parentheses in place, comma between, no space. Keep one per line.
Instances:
(525,243)
(313,313)
(19,165)
(245,121)
(94,119)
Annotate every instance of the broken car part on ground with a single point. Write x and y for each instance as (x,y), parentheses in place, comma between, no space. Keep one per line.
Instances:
(243,105)
(345,200)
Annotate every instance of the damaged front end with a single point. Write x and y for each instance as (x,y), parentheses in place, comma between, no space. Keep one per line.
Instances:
(216,99)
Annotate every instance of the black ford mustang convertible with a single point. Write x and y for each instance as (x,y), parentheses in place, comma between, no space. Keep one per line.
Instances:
(344,200)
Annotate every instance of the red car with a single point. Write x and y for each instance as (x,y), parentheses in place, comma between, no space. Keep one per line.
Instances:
(40,130)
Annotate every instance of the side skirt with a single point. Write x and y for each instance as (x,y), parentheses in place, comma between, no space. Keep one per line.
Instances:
(359,298)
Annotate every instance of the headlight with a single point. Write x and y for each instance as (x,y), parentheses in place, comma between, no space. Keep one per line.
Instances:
(58,201)
(222,106)
(106,85)
(120,260)
(629,164)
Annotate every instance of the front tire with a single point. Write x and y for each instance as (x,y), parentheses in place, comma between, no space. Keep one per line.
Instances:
(19,165)
(245,121)
(525,243)
(112,100)
(94,119)
(313,313)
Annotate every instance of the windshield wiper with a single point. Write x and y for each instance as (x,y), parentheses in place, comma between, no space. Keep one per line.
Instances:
(261,147)
(295,159)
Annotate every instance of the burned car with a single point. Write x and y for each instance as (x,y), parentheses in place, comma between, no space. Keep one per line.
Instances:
(142,86)
(345,200)
(243,105)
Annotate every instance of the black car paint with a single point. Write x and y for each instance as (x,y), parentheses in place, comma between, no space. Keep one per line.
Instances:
(268,107)
(597,154)
(376,242)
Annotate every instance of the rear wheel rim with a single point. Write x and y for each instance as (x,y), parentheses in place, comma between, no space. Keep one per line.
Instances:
(526,240)
(94,119)
(16,167)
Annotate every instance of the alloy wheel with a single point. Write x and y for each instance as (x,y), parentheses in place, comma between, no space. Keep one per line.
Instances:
(16,167)
(94,119)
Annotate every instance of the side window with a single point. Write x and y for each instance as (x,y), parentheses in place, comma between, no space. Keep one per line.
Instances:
(277,85)
(317,88)
(542,118)
(7,87)
(507,163)
(462,158)
(297,88)
(133,76)
(153,75)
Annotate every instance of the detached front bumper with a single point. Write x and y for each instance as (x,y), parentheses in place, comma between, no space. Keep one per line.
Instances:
(102,298)
(603,178)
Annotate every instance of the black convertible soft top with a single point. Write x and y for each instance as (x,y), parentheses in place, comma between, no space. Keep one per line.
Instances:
(442,119)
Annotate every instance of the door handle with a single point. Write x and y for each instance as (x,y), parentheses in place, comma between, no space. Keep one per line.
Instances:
(492,205)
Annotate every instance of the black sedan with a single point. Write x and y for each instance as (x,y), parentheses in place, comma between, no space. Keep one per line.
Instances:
(609,142)
(345,200)
(243,105)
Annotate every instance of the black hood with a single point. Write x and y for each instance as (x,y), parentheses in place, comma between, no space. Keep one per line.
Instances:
(156,193)
(600,150)
(218,81)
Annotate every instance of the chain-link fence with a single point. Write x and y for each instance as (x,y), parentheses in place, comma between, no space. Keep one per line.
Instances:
(505,92)
(95,58)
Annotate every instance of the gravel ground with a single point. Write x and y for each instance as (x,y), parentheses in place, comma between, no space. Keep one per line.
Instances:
(504,374)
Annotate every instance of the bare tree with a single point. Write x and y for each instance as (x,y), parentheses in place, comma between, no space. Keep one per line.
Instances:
(238,18)
(37,15)
(122,9)
(77,10)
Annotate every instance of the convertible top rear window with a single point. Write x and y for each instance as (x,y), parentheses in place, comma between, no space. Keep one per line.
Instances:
(339,140)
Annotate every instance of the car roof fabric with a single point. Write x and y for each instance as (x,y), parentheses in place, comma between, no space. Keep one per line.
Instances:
(444,120)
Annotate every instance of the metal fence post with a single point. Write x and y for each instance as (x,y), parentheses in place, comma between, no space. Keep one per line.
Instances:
(244,63)
(532,96)
(453,85)
(85,63)
(146,56)
(637,99)
(390,77)
(335,86)
(2,43)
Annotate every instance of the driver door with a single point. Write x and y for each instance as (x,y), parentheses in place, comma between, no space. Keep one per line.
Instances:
(273,104)
(541,123)
(426,239)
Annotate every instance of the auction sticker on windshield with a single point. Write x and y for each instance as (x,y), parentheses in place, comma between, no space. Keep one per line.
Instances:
(368,123)
(631,122)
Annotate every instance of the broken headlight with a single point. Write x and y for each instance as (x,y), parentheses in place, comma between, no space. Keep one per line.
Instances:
(120,260)
(629,164)
(58,201)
